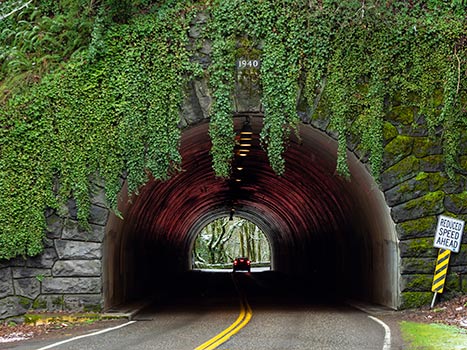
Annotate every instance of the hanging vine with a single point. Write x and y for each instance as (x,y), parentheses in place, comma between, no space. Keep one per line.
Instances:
(95,88)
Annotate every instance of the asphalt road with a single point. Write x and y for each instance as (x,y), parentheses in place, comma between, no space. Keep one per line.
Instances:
(281,318)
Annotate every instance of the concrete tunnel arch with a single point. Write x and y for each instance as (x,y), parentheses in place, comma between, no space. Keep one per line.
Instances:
(334,232)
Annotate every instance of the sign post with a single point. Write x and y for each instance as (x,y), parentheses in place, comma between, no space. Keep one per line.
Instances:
(448,239)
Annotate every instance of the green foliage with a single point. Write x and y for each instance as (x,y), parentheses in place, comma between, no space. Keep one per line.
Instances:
(359,59)
(117,115)
(95,87)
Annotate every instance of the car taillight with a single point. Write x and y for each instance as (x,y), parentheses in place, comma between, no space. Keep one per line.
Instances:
(248,262)
(235,262)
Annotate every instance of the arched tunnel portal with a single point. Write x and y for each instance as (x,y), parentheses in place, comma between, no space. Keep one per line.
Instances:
(335,233)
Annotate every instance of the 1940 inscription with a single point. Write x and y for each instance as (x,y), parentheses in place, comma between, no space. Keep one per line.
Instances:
(244,63)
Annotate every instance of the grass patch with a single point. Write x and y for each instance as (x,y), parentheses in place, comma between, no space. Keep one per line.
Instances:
(38,319)
(421,336)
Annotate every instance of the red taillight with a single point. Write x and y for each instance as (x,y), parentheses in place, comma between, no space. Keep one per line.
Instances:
(248,262)
(241,260)
(235,262)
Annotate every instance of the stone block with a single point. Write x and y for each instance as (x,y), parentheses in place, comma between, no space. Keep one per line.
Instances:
(73,231)
(97,195)
(54,226)
(98,215)
(434,163)
(427,205)
(15,262)
(50,303)
(456,203)
(396,150)
(23,272)
(418,265)
(6,282)
(203,95)
(71,209)
(44,260)
(415,299)
(418,248)
(416,282)
(415,187)
(406,169)
(77,268)
(422,227)
(13,306)
(426,146)
(90,303)
(78,250)
(27,287)
(459,259)
(71,285)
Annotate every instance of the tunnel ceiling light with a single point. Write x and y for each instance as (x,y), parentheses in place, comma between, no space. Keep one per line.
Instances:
(240,168)
(245,145)
(246,139)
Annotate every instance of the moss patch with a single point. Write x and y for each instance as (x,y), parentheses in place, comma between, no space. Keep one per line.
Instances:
(429,204)
(415,299)
(417,228)
(39,304)
(425,146)
(389,132)
(399,148)
(403,114)
(418,283)
(458,202)
(418,265)
(421,247)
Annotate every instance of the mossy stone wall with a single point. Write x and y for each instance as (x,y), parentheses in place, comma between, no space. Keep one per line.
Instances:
(418,190)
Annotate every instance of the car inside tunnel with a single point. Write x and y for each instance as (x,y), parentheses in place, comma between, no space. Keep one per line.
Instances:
(333,233)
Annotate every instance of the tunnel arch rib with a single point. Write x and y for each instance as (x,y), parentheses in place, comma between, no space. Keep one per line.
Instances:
(320,226)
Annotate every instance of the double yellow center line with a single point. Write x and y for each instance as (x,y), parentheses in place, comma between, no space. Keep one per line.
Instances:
(222,337)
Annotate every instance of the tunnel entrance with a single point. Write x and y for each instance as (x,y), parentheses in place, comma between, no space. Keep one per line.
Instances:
(221,241)
(335,233)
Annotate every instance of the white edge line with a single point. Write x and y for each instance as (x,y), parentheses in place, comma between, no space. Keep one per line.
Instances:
(387,331)
(86,335)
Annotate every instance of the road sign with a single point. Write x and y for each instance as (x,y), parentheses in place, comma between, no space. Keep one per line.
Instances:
(441,270)
(449,233)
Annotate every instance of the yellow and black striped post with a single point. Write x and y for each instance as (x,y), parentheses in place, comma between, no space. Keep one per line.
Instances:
(440,272)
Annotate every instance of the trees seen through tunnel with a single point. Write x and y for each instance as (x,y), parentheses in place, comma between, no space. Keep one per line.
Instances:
(223,239)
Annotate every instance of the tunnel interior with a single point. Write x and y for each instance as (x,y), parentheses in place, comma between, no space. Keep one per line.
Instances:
(334,232)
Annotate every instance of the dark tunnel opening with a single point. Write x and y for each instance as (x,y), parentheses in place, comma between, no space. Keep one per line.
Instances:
(336,233)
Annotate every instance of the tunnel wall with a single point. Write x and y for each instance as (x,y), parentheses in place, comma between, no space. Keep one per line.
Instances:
(68,275)
(413,191)
(416,191)
(82,269)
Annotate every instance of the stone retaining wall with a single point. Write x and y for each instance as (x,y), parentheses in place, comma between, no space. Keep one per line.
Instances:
(418,190)
(68,275)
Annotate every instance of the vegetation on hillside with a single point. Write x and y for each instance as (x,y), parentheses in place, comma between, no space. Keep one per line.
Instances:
(95,87)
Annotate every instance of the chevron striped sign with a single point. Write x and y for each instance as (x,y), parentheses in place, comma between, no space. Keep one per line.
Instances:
(441,270)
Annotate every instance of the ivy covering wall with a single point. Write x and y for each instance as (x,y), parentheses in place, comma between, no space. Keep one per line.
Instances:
(95,87)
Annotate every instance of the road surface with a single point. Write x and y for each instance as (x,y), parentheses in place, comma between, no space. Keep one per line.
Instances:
(245,311)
